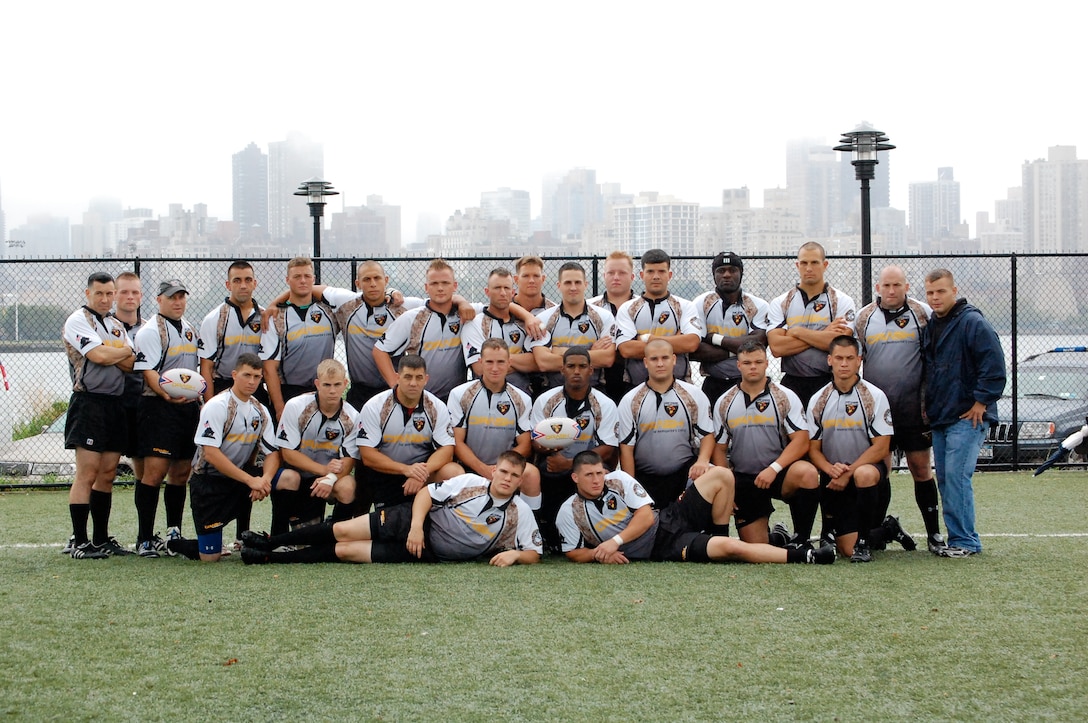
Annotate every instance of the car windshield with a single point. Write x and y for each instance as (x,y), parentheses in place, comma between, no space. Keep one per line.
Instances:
(57,427)
(1052,382)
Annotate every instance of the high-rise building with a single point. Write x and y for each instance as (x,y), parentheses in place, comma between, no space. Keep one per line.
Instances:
(42,236)
(934,211)
(653,221)
(1055,204)
(366,231)
(823,186)
(93,237)
(291,162)
(510,205)
(575,202)
(250,187)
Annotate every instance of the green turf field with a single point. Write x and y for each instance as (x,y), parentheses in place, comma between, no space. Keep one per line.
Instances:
(1002,636)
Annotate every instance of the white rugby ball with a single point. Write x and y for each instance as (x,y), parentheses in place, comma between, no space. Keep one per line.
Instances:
(556,432)
(182,383)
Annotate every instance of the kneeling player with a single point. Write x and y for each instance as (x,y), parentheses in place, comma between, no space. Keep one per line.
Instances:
(611,519)
(463,518)
(233,428)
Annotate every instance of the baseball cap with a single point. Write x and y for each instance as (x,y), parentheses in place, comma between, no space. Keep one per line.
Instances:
(171,287)
(727,258)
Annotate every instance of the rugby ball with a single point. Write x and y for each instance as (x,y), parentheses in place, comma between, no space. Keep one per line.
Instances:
(182,383)
(556,432)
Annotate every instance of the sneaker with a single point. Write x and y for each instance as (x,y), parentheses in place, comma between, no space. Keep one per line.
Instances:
(172,533)
(89,551)
(895,531)
(936,544)
(861,553)
(114,548)
(255,557)
(952,551)
(255,540)
(779,535)
(148,548)
(823,556)
(69,546)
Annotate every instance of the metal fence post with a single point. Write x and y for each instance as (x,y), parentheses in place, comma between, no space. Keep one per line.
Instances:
(1014,363)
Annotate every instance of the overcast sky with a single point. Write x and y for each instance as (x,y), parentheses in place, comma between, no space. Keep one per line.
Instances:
(429,103)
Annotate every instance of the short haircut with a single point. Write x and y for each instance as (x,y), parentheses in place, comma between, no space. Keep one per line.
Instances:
(513,458)
(621,256)
(494,343)
(248,359)
(658,341)
(572,266)
(411,361)
(656,256)
(528,261)
(938,274)
(127,275)
(439,265)
(587,456)
(501,272)
(576,351)
(812,246)
(331,368)
(844,340)
(752,345)
(299,261)
(240,265)
(99,277)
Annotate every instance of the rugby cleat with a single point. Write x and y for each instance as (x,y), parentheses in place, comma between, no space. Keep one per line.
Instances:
(89,551)
(956,552)
(936,544)
(823,556)
(861,553)
(148,549)
(894,531)
(779,536)
(255,557)
(114,548)
(172,534)
(69,546)
(256,541)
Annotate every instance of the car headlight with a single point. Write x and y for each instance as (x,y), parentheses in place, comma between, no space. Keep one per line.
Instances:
(1036,430)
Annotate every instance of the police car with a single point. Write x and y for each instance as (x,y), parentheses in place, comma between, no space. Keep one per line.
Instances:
(44,455)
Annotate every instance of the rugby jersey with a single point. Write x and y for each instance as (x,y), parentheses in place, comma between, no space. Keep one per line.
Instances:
(595,416)
(492,420)
(587,523)
(846,422)
(300,338)
(163,344)
(434,336)
(565,331)
(488,326)
(238,429)
(84,330)
(303,427)
(891,343)
(668,316)
(226,336)
(467,522)
(363,325)
(664,428)
(795,308)
(736,320)
(757,429)
(402,434)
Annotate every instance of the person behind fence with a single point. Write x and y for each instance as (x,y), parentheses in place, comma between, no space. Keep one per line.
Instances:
(167,341)
(965,376)
(464,518)
(611,519)
(234,428)
(99,355)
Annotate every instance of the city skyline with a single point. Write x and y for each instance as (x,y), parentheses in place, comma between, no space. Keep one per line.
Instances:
(686,103)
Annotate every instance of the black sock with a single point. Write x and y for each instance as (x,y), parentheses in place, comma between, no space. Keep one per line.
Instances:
(797,554)
(314,553)
(310,508)
(803,506)
(101,502)
(868,500)
(925,494)
(283,507)
(241,524)
(343,511)
(884,499)
(174,504)
(79,513)
(147,503)
(320,534)
(188,548)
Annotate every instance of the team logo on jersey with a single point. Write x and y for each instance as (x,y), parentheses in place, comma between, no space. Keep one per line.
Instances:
(671,409)
(188,335)
(255,423)
(503,407)
(455,326)
(380,319)
(515,337)
(255,326)
(472,351)
(316,316)
(663,317)
(851,407)
(850,315)
(116,332)
(492,519)
(140,357)
(818,306)
(332,434)
(282,434)
(583,327)
(901,322)
(209,433)
(737,319)
(762,405)
(538,541)
(611,504)
(419,423)
(639,492)
(582,423)
(888,417)
(362,433)
(83,341)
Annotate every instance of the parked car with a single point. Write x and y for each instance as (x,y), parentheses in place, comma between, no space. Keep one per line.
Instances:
(1052,403)
(43,455)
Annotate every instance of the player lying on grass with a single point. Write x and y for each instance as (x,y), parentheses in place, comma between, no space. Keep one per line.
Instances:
(612,519)
(463,518)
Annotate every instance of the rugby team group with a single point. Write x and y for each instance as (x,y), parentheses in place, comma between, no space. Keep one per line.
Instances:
(423,444)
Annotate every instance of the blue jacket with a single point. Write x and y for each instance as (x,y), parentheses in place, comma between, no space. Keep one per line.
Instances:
(964,366)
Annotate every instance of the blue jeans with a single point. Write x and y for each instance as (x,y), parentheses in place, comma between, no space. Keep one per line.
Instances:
(955,452)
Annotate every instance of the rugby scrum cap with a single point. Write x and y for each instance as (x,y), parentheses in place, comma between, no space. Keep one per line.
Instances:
(727,258)
(171,287)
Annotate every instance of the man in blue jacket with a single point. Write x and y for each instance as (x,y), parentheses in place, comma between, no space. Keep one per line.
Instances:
(965,376)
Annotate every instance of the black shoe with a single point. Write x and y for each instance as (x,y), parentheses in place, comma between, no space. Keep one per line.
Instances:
(69,546)
(861,553)
(114,548)
(894,531)
(251,556)
(88,551)
(949,551)
(827,537)
(255,541)
(779,536)
(937,544)
(823,556)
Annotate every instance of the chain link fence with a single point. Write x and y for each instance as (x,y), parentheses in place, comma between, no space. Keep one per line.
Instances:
(1033,301)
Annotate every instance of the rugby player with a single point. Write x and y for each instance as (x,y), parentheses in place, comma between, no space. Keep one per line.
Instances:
(619,274)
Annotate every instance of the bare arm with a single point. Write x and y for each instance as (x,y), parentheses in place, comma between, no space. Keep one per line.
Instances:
(207,370)
(259,486)
(108,356)
(273,384)
(384,362)
(467,457)
(627,459)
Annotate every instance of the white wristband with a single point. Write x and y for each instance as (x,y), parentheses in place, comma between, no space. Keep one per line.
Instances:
(776,467)
(329,479)
(717,339)
(644,338)
(618,540)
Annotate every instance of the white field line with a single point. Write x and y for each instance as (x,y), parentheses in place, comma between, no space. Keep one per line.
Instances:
(918,536)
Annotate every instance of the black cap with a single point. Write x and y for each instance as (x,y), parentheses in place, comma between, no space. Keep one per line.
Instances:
(171,287)
(727,258)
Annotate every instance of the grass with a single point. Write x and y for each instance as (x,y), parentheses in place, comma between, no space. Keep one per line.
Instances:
(44,414)
(1001,636)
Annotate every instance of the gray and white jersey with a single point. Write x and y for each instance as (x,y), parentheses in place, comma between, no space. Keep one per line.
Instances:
(226,336)
(363,325)
(163,344)
(434,336)
(587,523)
(236,428)
(402,434)
(757,429)
(891,343)
(300,338)
(488,326)
(665,429)
(84,330)
(492,420)
(732,321)
(847,422)
(303,427)
(795,309)
(595,416)
(669,316)
(467,522)
(565,331)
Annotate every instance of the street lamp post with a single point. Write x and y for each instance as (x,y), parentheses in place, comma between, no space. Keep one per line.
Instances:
(315,191)
(864,142)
